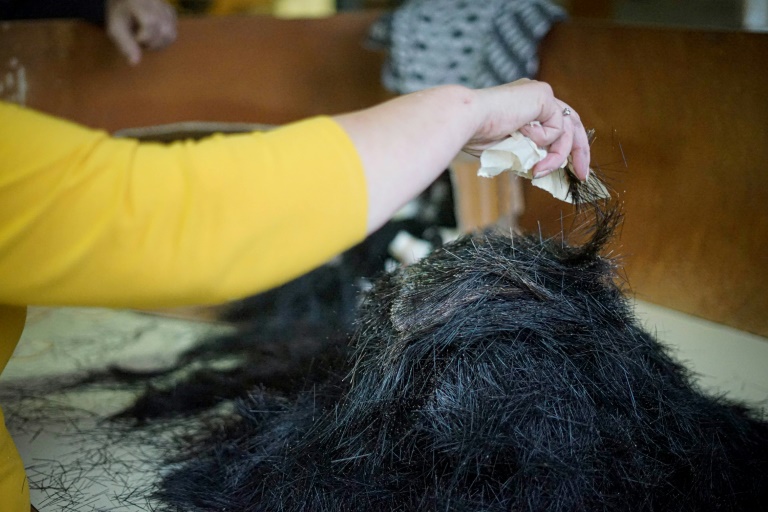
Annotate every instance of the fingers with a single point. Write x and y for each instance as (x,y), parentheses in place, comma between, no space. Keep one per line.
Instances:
(580,153)
(549,125)
(557,153)
(559,128)
(156,24)
(120,30)
(133,24)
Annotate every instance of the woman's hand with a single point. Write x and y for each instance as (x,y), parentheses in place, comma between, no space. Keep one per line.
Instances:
(406,143)
(531,107)
(137,24)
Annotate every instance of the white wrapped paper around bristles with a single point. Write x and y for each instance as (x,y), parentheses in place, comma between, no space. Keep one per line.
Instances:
(519,154)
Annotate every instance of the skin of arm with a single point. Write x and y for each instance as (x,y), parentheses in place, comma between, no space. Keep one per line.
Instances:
(406,143)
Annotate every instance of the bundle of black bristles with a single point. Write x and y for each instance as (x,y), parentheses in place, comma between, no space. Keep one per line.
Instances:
(500,373)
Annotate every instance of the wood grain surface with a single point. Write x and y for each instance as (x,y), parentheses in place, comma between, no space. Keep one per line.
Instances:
(682,134)
(231,69)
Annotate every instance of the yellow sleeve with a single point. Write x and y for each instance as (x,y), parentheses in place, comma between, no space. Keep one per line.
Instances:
(86,219)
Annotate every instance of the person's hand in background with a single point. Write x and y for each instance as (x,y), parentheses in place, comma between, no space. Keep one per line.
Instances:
(137,24)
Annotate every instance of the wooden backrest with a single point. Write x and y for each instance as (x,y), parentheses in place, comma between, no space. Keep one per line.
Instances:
(688,111)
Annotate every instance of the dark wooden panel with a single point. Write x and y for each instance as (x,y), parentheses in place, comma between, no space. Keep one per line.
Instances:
(690,111)
(236,69)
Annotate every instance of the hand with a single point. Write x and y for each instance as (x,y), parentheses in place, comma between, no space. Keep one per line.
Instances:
(511,107)
(133,24)
(405,143)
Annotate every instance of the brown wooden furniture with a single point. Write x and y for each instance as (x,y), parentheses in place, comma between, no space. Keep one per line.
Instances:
(687,110)
(239,69)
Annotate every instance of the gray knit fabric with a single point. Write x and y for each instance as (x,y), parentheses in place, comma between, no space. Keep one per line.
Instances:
(476,43)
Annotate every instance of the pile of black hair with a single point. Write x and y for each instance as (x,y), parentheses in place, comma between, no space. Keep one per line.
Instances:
(500,373)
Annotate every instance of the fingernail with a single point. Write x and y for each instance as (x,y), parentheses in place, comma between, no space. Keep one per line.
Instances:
(541,174)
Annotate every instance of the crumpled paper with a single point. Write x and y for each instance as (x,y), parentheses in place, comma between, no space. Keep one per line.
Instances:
(519,154)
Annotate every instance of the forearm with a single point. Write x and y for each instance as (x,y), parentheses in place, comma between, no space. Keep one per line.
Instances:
(406,143)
